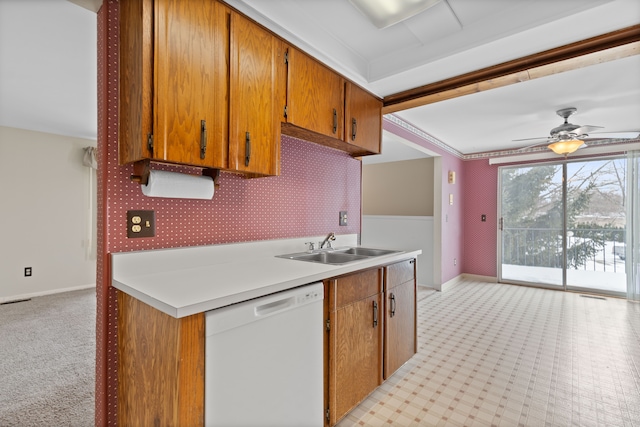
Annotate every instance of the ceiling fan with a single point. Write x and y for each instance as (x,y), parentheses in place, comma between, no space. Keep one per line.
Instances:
(568,137)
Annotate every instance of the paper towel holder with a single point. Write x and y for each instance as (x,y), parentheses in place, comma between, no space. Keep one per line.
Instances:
(142,168)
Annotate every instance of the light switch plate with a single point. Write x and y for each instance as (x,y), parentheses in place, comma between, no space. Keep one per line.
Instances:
(141,224)
(343,218)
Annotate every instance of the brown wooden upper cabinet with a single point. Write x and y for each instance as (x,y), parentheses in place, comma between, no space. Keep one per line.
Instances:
(325,108)
(199,85)
(315,95)
(363,119)
(173,82)
(256,99)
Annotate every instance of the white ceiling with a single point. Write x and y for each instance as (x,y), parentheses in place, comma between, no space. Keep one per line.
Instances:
(48,71)
(48,63)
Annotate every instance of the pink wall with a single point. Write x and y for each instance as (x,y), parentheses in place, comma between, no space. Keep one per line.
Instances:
(315,184)
(480,197)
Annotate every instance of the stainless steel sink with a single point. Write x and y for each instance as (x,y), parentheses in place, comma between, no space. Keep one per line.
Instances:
(338,255)
(325,257)
(368,252)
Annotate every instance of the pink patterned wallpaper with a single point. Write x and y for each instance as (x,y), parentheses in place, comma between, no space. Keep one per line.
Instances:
(316,183)
(481,197)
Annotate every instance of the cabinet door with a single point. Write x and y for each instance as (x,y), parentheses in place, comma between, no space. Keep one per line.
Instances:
(355,354)
(400,326)
(190,83)
(363,119)
(315,95)
(257,98)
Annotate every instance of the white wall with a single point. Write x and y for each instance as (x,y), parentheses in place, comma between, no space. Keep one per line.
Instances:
(402,232)
(46,221)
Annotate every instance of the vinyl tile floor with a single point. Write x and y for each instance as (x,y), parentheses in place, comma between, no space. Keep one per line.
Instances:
(503,355)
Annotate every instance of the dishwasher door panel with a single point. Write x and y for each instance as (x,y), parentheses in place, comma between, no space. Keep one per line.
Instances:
(264,361)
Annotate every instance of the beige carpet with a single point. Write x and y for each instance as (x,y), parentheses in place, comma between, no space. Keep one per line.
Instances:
(47,361)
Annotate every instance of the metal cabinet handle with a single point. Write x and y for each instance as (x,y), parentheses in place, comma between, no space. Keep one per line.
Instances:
(392,297)
(375,314)
(203,138)
(354,128)
(335,121)
(247,149)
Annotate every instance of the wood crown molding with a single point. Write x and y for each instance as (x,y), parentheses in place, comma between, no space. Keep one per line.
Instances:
(606,47)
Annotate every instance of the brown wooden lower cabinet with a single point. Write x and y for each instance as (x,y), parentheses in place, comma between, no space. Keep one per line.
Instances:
(371,332)
(355,339)
(400,315)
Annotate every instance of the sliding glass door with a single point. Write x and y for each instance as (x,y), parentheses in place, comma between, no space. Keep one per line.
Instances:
(532,224)
(563,225)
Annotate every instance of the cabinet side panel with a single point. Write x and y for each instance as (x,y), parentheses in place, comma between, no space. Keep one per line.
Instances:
(191,371)
(135,80)
(156,356)
(147,343)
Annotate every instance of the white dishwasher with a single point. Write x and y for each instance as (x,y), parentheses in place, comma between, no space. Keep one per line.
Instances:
(264,361)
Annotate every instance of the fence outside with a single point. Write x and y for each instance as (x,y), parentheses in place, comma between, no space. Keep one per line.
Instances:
(599,249)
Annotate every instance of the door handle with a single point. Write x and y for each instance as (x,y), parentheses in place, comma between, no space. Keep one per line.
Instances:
(247,149)
(392,297)
(203,138)
(335,121)
(375,314)
(354,128)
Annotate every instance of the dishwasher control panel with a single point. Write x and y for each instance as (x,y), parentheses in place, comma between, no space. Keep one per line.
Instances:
(312,295)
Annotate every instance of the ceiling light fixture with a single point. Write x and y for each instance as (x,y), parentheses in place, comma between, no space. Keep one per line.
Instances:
(385,13)
(565,147)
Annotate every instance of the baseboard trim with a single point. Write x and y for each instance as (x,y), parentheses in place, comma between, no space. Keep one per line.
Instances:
(44,293)
(479,278)
(465,276)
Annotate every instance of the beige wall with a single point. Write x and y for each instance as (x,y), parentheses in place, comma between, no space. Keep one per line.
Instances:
(47,214)
(398,188)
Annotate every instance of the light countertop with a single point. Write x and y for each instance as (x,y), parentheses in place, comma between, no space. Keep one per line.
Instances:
(186,281)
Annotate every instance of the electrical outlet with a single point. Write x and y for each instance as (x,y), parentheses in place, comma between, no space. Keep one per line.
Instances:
(27,272)
(141,224)
(343,218)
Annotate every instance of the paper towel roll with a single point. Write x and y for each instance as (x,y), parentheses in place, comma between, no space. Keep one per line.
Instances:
(178,185)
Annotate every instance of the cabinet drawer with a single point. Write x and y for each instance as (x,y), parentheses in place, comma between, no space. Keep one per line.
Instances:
(400,272)
(346,290)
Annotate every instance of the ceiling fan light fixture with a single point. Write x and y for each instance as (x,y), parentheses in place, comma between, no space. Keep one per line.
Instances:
(385,13)
(565,147)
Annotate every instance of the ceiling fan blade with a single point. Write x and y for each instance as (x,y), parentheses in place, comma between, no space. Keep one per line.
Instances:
(614,135)
(539,144)
(540,138)
(585,129)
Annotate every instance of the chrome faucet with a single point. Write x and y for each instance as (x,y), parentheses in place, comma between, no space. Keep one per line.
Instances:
(327,240)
